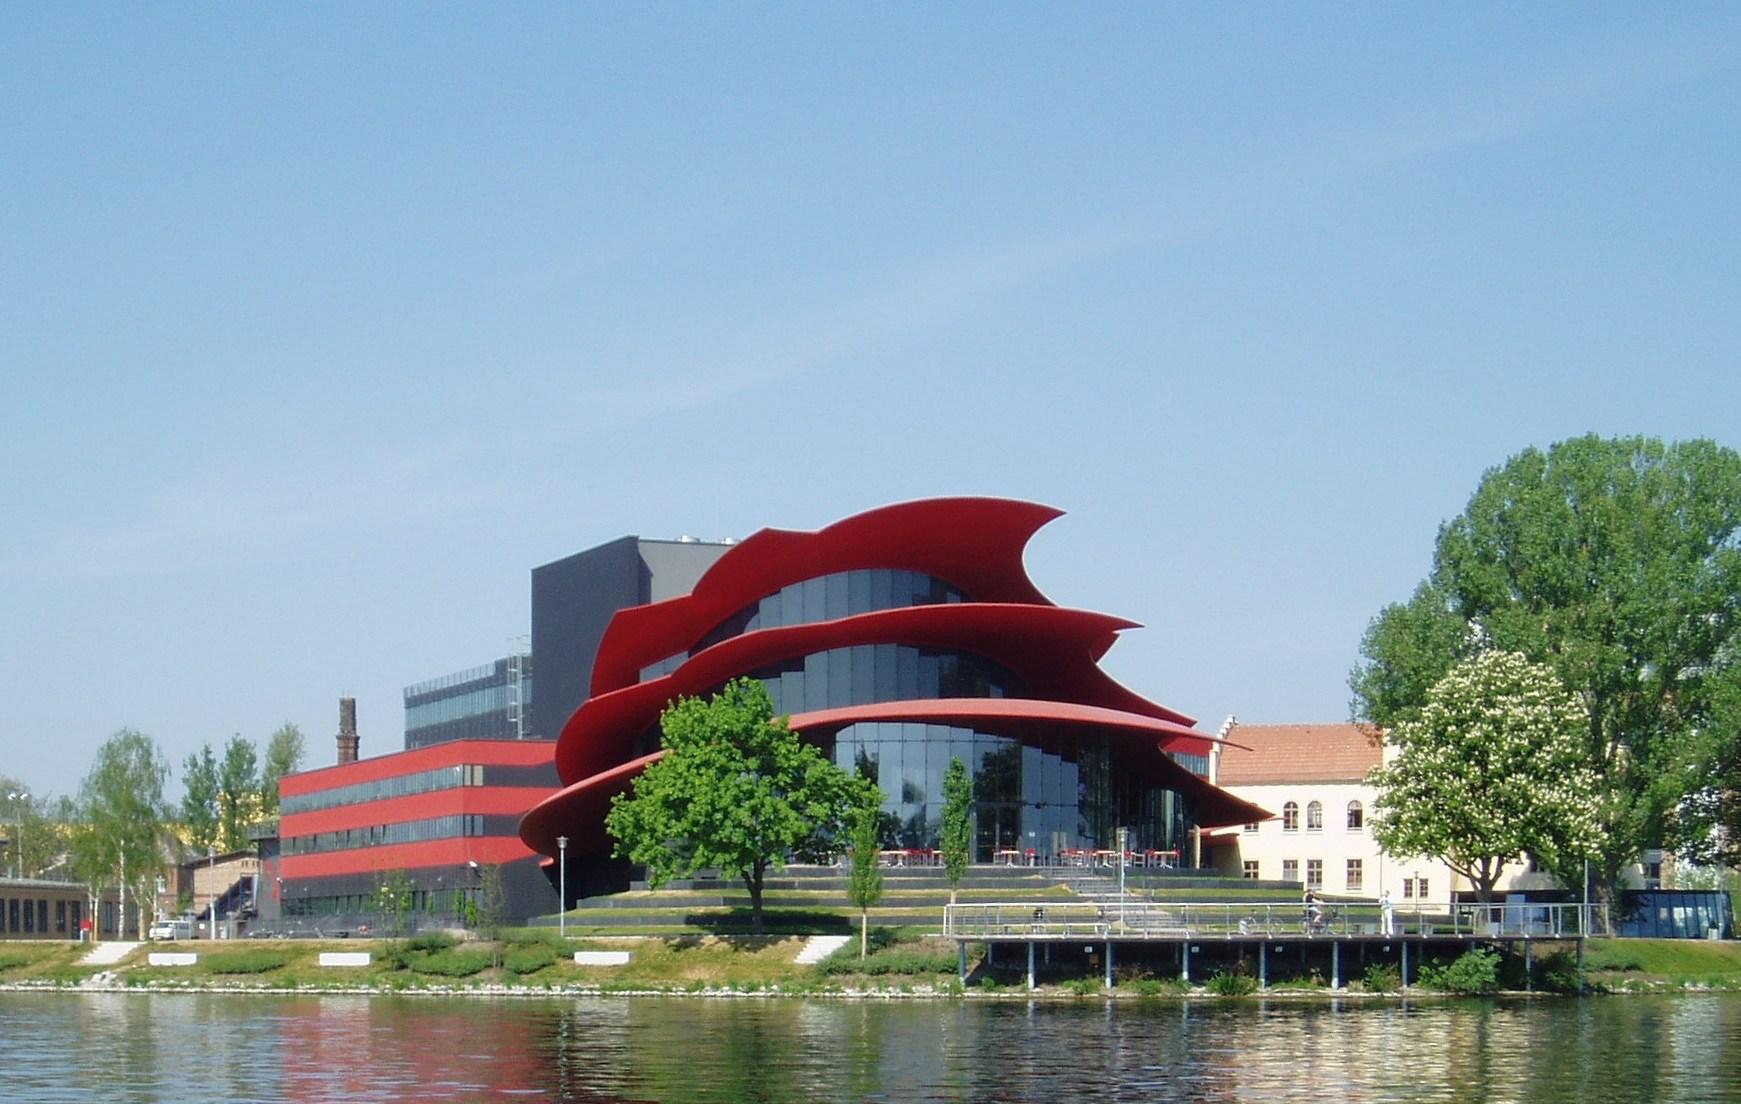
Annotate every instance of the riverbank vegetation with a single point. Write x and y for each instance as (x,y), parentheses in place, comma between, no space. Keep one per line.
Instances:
(899,961)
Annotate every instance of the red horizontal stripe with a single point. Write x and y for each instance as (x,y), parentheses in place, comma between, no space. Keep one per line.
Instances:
(506,753)
(407,856)
(485,800)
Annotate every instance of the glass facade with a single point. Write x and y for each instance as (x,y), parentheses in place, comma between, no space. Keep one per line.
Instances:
(376,835)
(1026,795)
(480,703)
(824,598)
(870,673)
(404,785)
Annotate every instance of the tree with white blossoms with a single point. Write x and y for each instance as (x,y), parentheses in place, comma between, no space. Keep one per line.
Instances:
(1490,771)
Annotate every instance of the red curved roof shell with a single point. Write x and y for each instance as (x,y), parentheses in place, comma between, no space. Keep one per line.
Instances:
(975,545)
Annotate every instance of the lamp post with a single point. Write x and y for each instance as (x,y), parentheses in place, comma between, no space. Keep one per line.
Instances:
(562,881)
(212,906)
(1123,848)
(18,799)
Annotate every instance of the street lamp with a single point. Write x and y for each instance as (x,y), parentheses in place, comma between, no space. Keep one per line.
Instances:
(562,880)
(18,799)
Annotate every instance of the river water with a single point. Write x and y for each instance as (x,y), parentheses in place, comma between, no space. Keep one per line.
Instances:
(106,1047)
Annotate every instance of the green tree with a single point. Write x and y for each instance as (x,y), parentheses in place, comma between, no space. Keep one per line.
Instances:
(394,898)
(737,792)
(238,793)
(121,802)
(865,886)
(32,842)
(1616,563)
(1490,770)
(199,799)
(284,752)
(957,841)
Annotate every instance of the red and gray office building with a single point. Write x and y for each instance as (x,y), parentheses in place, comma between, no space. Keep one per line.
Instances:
(895,640)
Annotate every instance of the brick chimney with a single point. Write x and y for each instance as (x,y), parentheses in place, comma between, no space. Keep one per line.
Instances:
(348,730)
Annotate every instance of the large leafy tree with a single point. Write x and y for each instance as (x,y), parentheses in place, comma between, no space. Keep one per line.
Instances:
(199,798)
(284,752)
(122,816)
(1491,769)
(1616,563)
(238,793)
(737,791)
(957,841)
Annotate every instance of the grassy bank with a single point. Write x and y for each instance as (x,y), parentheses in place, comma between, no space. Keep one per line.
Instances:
(901,961)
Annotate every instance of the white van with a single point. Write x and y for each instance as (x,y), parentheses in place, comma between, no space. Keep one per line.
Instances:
(171,929)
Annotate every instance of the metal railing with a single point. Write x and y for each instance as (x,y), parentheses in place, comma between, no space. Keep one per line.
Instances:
(1134,918)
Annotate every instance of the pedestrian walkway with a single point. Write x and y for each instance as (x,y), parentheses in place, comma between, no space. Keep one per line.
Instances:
(819,947)
(107,954)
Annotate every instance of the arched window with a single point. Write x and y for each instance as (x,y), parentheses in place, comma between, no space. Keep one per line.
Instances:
(1315,817)
(1356,816)
(1291,817)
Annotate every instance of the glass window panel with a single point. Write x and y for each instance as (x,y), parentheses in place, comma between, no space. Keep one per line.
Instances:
(884,672)
(863,674)
(906,674)
(836,596)
(883,589)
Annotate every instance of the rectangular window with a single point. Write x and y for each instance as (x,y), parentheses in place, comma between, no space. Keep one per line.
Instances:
(3,928)
(29,916)
(1290,870)
(1421,888)
(1314,873)
(1408,888)
(1355,874)
(60,916)
(78,917)
(1249,828)
(1250,870)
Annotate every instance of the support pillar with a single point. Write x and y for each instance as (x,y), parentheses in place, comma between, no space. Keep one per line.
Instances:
(1109,964)
(1528,966)
(961,947)
(1185,962)
(1030,964)
(1405,964)
(1263,966)
(1336,964)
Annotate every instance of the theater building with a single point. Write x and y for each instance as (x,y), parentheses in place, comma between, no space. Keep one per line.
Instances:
(896,640)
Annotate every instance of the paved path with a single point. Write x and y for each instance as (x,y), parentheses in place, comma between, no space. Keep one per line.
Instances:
(819,947)
(107,954)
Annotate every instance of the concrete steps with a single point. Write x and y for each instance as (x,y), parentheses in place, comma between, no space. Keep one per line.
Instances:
(108,954)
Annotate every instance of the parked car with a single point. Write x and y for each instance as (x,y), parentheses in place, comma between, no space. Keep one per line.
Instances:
(171,929)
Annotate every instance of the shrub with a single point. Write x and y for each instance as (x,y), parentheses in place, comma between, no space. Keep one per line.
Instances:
(528,958)
(1224,984)
(246,962)
(455,964)
(1475,971)
(1158,987)
(888,962)
(1381,978)
(432,941)
(1083,986)
(7,962)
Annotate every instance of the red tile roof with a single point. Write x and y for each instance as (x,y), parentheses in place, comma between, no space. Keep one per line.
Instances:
(1297,753)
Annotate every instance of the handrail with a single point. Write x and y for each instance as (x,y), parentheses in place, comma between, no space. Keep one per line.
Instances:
(1133,918)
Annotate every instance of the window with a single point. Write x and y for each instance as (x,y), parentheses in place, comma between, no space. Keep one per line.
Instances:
(1249,828)
(42,916)
(12,912)
(1355,874)
(1314,873)
(1408,888)
(1290,870)
(1291,817)
(1356,817)
(1250,870)
(29,916)
(1315,817)
(1421,888)
(60,916)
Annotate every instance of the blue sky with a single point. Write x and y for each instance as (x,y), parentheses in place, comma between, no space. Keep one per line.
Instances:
(321,325)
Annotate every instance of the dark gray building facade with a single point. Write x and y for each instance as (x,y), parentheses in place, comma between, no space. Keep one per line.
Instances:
(574,599)
(490,702)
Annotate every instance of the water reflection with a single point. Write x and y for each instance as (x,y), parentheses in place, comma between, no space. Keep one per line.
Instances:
(163,1047)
